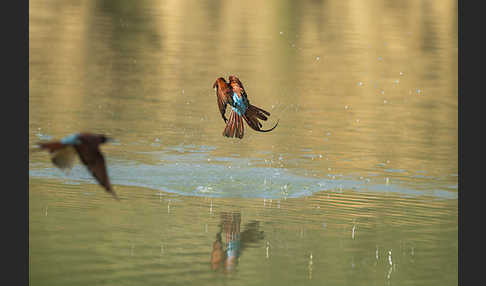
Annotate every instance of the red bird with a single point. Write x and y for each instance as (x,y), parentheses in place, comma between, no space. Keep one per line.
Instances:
(86,145)
(234,94)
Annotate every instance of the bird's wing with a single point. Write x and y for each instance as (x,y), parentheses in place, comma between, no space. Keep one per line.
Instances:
(62,155)
(64,158)
(224,96)
(91,156)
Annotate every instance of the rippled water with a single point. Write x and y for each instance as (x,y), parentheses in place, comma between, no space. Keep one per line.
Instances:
(357,185)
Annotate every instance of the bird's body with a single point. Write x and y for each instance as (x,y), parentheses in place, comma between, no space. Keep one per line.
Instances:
(86,146)
(240,105)
(235,95)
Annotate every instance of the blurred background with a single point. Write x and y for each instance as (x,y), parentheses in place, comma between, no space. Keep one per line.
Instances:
(357,185)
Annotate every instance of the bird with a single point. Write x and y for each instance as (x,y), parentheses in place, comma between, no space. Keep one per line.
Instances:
(86,145)
(234,94)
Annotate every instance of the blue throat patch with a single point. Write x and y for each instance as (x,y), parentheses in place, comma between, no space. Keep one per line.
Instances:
(239,105)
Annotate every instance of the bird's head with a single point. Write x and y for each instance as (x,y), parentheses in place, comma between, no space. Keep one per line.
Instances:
(233,78)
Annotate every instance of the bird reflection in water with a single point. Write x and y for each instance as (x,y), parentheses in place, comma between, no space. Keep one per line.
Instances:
(226,257)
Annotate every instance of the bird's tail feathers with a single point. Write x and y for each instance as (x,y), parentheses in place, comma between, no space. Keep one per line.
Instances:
(234,126)
(50,146)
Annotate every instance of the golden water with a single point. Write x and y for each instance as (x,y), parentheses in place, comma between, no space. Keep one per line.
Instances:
(357,185)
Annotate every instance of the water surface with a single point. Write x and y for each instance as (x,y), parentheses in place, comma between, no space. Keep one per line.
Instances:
(358,184)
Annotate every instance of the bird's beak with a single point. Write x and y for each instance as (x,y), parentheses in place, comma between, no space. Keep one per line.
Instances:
(109,139)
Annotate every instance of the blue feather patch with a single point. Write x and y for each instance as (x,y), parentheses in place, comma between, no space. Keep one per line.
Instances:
(71,139)
(239,104)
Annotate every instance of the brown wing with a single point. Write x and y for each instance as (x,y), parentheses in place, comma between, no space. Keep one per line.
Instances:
(62,155)
(237,86)
(223,94)
(64,158)
(91,156)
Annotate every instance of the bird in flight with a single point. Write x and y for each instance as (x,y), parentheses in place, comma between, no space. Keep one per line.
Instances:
(235,95)
(86,145)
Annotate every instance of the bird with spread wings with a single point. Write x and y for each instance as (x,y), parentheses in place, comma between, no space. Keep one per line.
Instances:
(235,95)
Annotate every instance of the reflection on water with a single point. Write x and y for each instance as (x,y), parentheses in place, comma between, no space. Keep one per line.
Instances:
(362,238)
(358,184)
(226,258)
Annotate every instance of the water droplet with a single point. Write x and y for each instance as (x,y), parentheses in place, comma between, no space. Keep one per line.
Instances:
(384,101)
(360,83)
(346,107)
(318,58)
(281,33)
(401,73)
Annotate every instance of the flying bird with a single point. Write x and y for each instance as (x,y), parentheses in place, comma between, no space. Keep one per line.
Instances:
(86,145)
(234,94)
